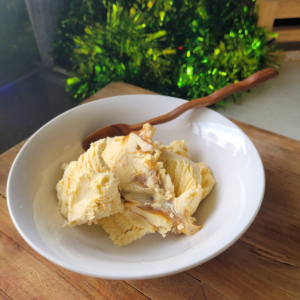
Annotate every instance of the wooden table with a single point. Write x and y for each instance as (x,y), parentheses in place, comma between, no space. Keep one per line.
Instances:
(263,264)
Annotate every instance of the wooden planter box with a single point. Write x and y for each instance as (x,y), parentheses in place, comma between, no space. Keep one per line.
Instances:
(269,10)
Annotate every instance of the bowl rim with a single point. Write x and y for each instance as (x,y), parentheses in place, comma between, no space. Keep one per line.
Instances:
(188,265)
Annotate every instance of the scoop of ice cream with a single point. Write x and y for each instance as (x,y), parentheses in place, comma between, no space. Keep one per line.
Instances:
(132,224)
(124,228)
(162,187)
(88,190)
(186,177)
(181,148)
(134,161)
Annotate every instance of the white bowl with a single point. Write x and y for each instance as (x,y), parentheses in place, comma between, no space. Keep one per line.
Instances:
(226,213)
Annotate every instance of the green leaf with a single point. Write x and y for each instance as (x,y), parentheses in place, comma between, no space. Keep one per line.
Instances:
(187,49)
(97,69)
(88,31)
(72,80)
(156,35)
(97,49)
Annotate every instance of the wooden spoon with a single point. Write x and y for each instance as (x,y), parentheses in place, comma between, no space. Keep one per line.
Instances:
(124,129)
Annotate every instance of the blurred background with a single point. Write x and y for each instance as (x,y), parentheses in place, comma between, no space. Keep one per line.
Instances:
(33,87)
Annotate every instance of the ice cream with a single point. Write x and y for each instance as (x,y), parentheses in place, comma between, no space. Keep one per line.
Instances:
(88,190)
(178,147)
(156,182)
(126,227)
(133,186)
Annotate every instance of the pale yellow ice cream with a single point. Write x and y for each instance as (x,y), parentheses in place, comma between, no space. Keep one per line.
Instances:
(156,182)
(133,186)
(126,227)
(207,180)
(88,190)
(178,147)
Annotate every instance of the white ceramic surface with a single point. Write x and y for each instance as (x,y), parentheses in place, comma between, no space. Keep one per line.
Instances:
(226,213)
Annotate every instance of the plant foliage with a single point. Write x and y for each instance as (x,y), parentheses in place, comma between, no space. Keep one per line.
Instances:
(182,48)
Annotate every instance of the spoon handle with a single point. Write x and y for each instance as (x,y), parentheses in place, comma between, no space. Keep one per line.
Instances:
(252,81)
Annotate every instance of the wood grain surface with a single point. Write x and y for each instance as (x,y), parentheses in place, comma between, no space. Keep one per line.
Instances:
(263,264)
(287,9)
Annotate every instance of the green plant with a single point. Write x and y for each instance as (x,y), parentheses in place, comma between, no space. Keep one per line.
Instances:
(182,48)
